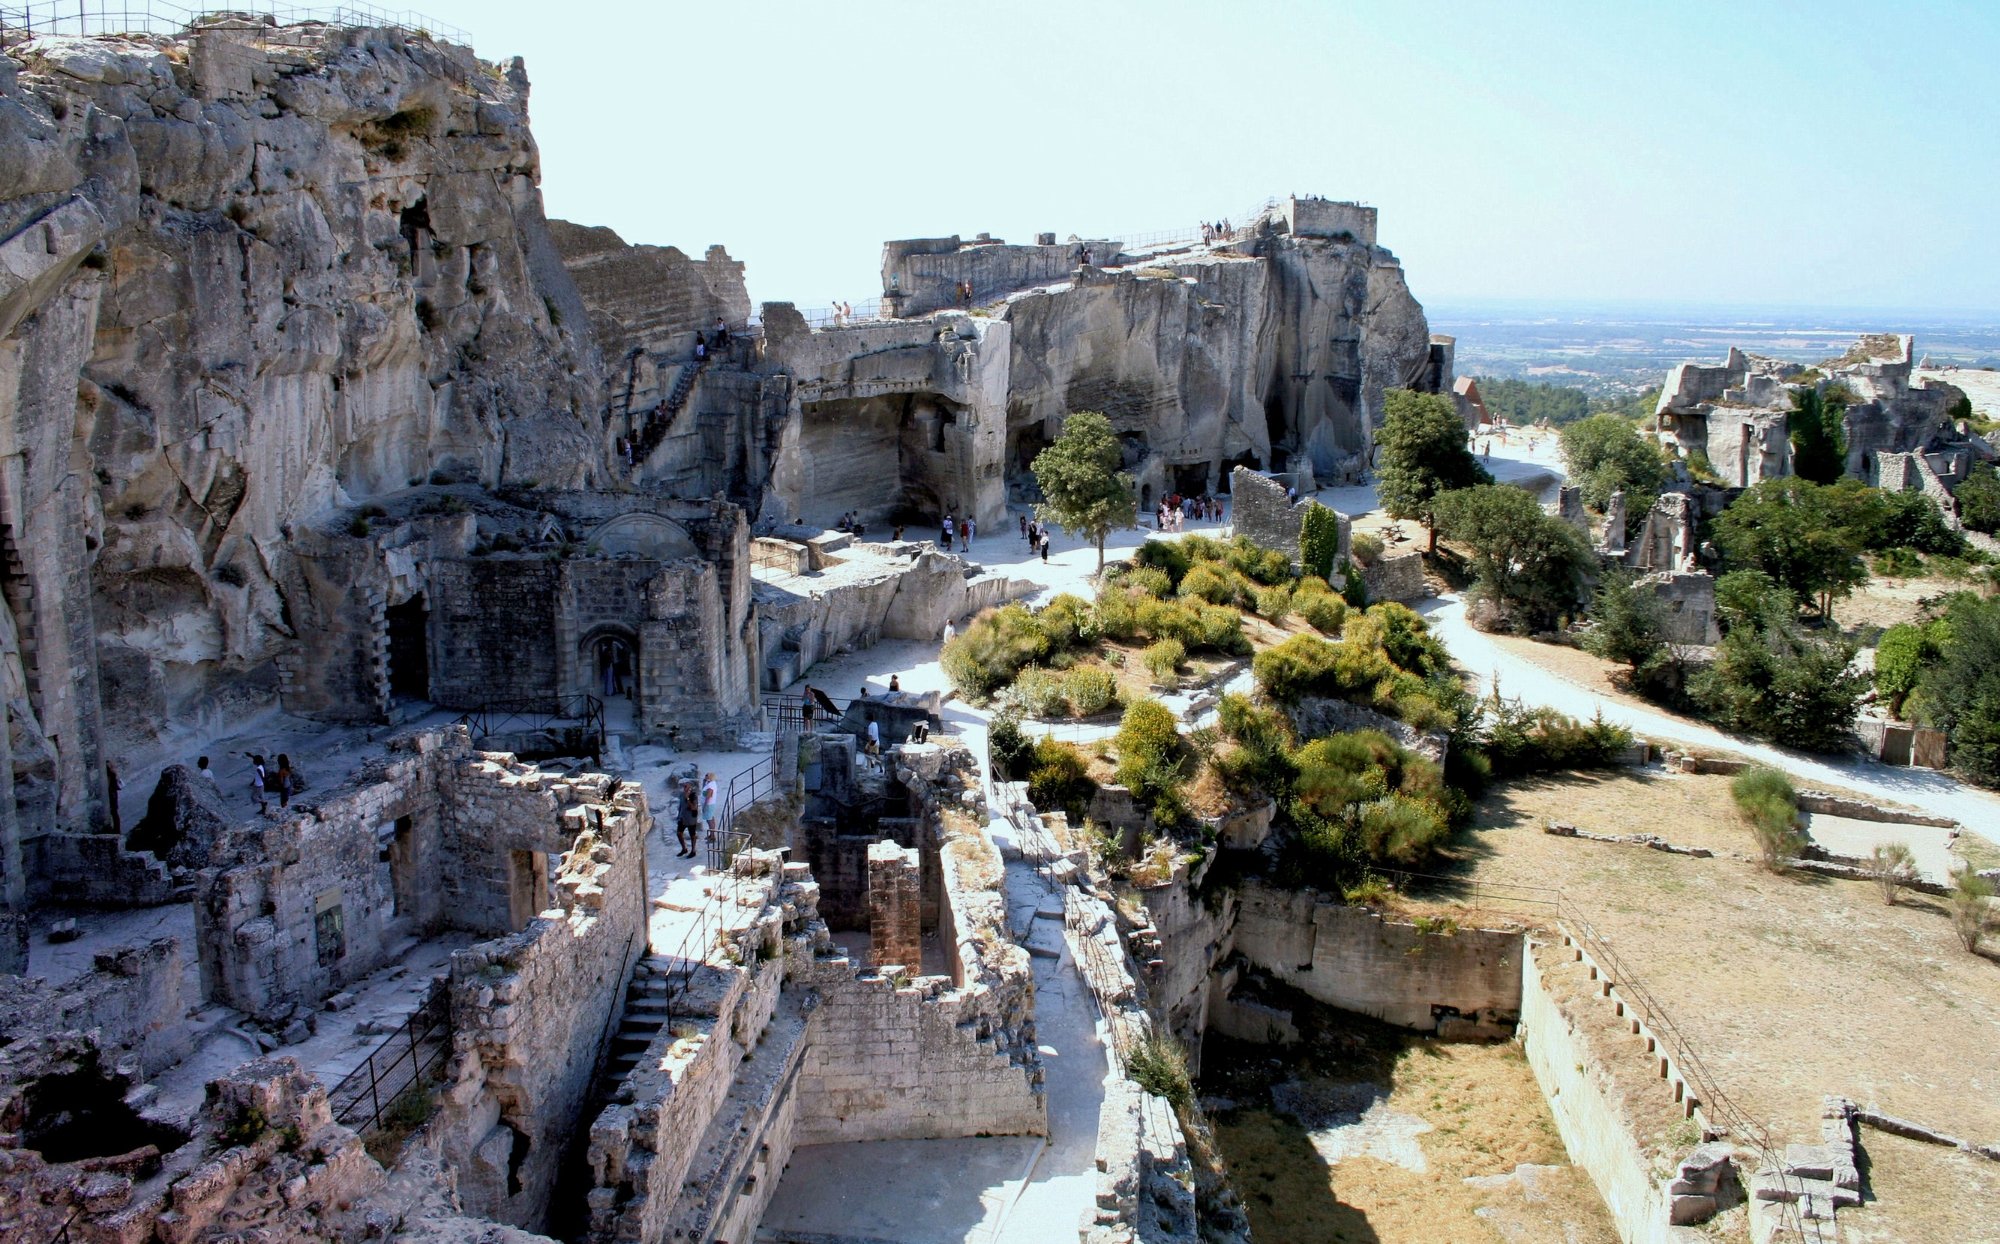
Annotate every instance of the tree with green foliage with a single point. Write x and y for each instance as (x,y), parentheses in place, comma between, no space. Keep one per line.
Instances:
(1606,454)
(1789,529)
(1423,452)
(1773,678)
(1082,488)
(1817,426)
(1529,564)
(1766,800)
(1526,402)
(1978,498)
(1629,621)
(1319,540)
(1960,690)
(1903,654)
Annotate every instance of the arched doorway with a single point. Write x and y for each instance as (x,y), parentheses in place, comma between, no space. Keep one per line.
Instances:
(613,667)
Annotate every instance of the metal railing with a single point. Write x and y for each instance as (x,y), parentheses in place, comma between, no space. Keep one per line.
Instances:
(400,1065)
(788,712)
(265,22)
(62,1235)
(585,712)
(862,311)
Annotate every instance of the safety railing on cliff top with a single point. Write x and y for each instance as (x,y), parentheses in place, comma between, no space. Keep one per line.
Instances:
(265,22)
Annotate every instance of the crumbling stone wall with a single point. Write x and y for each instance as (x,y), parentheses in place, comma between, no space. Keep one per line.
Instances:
(895,907)
(1351,958)
(305,905)
(1396,576)
(531,1012)
(131,999)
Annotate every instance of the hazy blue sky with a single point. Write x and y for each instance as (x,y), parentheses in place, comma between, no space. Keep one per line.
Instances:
(1833,154)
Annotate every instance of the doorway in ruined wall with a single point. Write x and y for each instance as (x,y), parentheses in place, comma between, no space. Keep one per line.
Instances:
(527,887)
(409,650)
(396,874)
(612,661)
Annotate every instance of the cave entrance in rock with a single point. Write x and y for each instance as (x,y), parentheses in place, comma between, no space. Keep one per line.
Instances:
(1190,478)
(409,650)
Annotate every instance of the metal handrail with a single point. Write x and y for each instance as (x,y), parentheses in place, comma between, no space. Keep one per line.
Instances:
(365,1094)
(535,713)
(789,711)
(267,22)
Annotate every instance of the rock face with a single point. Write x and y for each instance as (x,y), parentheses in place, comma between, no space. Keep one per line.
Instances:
(1276,358)
(244,285)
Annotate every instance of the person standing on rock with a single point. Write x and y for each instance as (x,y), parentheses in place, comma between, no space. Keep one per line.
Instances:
(949,531)
(687,820)
(257,784)
(711,803)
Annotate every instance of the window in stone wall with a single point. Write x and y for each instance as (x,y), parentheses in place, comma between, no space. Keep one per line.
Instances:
(330,935)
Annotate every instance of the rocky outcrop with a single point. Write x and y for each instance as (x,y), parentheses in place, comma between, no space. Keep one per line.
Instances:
(244,284)
(1272,353)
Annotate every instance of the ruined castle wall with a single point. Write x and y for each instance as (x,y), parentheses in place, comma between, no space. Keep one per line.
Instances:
(928,271)
(1329,219)
(493,619)
(131,998)
(1351,958)
(531,1012)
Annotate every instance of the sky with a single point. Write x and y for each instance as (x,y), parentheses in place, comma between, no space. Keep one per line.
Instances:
(1829,154)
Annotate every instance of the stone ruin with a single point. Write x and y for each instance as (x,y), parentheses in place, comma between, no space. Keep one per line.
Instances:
(1900,435)
(319,428)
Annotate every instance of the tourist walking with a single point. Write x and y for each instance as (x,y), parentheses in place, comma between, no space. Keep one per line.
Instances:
(687,820)
(711,803)
(965,535)
(1024,526)
(949,531)
(285,780)
(257,791)
(809,709)
(874,738)
(201,768)
(1045,548)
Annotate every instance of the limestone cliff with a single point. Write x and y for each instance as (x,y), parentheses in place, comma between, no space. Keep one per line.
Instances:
(248,279)
(1275,355)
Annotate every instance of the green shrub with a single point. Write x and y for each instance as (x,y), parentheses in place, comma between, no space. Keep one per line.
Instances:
(1518,739)
(1221,628)
(1039,692)
(1970,903)
(1319,539)
(1401,830)
(1150,759)
(1090,690)
(1158,1065)
(1293,669)
(1151,581)
(1274,603)
(1902,655)
(1117,613)
(1371,892)
(1324,612)
(1060,780)
(1011,750)
(1407,639)
(1365,547)
(992,649)
(1899,563)
(1163,619)
(1170,557)
(1255,562)
(1162,660)
(1067,622)
(1766,800)
(1214,583)
(1310,585)
(1353,587)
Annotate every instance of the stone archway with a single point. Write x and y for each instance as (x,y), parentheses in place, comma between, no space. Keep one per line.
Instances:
(644,535)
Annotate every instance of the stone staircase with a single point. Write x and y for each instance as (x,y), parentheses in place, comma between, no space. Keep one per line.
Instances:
(661,421)
(646,1012)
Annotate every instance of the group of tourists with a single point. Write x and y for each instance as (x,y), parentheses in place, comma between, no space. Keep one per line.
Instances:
(842,312)
(266,781)
(698,808)
(851,523)
(961,529)
(1211,233)
(1176,509)
(961,293)
(1036,533)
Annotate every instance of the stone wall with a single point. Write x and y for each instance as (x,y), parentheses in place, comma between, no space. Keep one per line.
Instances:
(532,1012)
(1396,576)
(130,999)
(1262,510)
(1325,218)
(1594,1130)
(1466,982)
(926,272)
(895,907)
(301,907)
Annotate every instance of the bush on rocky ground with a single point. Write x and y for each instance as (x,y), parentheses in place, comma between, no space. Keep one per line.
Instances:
(1770,806)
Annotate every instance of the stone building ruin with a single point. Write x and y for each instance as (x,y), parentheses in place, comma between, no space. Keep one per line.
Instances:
(318,428)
